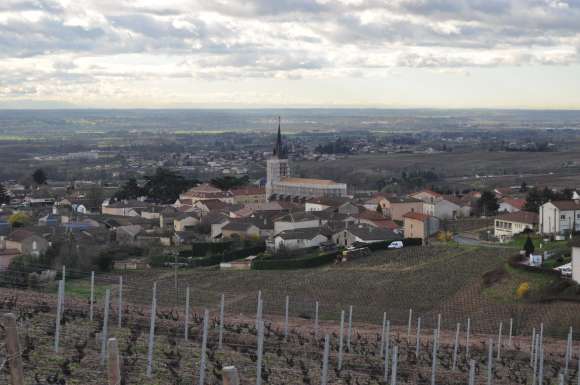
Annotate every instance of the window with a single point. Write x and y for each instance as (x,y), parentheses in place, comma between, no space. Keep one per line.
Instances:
(562,217)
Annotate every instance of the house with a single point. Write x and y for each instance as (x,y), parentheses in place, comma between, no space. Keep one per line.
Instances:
(420,225)
(377,200)
(240,230)
(560,217)
(26,242)
(215,222)
(203,192)
(509,224)
(396,207)
(249,194)
(49,220)
(324,203)
(127,235)
(296,220)
(185,221)
(362,233)
(576,260)
(210,205)
(301,238)
(511,205)
(442,207)
(376,219)
(124,208)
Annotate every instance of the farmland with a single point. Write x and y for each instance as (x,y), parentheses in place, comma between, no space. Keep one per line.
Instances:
(446,280)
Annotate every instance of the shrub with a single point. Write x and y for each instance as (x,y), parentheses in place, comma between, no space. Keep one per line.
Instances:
(294,263)
(522,290)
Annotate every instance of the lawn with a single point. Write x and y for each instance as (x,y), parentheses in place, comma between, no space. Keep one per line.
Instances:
(504,291)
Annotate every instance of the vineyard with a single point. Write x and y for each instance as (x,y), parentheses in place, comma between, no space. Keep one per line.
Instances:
(431,299)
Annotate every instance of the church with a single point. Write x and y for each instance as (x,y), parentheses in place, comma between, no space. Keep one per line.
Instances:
(281,186)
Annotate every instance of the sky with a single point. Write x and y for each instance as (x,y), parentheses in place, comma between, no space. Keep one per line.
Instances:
(291,53)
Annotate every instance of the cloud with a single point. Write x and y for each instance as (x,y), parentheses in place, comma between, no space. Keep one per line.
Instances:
(110,44)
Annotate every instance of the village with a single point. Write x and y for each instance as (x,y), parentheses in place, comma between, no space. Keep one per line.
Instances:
(276,220)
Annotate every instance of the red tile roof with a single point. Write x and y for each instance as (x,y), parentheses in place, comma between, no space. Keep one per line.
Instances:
(520,217)
(515,202)
(417,216)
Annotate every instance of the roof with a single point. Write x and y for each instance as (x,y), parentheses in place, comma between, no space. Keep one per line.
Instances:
(567,205)
(520,217)
(429,192)
(213,204)
(238,226)
(132,230)
(307,181)
(328,201)
(249,190)
(20,235)
(417,216)
(205,190)
(308,233)
(514,202)
(371,233)
(395,200)
(298,216)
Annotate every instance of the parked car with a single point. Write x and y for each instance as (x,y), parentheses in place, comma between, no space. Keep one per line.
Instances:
(396,245)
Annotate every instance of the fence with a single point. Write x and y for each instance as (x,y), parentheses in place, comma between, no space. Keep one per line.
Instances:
(163,335)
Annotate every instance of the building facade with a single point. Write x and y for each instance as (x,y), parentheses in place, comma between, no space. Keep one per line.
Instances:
(280,185)
(560,217)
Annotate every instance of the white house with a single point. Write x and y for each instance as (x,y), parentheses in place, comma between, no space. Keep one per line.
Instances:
(560,217)
(363,233)
(440,206)
(509,224)
(576,264)
(298,239)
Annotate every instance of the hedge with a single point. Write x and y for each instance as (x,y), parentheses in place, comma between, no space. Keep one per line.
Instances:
(294,263)
(216,259)
(385,245)
(201,249)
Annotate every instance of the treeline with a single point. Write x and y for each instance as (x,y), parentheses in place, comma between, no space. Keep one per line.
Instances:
(537,197)
(339,146)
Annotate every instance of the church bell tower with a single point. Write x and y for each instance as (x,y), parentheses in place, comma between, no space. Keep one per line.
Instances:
(277,165)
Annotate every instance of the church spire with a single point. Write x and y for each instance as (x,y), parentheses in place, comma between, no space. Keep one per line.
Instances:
(279,150)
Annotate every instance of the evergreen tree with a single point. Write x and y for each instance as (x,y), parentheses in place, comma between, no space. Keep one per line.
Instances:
(39,177)
(4,198)
(165,186)
(129,190)
(488,204)
(529,246)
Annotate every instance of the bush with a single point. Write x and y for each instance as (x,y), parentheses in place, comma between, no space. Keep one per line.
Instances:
(522,290)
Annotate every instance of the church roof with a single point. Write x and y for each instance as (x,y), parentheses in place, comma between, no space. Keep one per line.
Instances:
(307,181)
(279,149)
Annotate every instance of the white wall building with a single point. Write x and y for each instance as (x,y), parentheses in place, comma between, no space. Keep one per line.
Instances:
(560,217)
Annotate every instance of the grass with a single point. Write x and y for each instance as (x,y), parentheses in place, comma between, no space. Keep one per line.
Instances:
(504,292)
(539,246)
(82,289)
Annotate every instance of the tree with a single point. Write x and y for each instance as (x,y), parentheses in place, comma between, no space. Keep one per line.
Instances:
(487,204)
(529,246)
(165,186)
(230,182)
(130,190)
(524,187)
(39,177)
(4,198)
(19,219)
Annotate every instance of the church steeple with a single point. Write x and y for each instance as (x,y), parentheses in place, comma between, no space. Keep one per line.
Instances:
(279,150)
